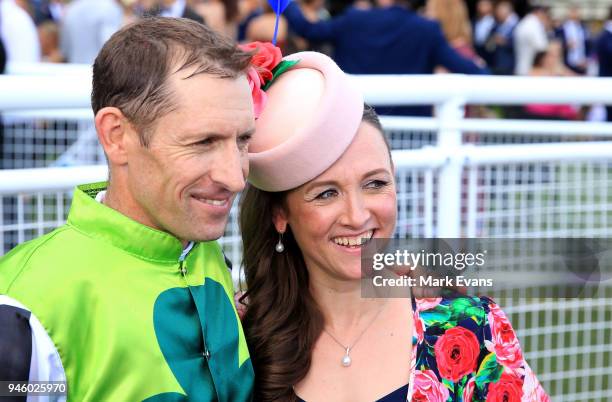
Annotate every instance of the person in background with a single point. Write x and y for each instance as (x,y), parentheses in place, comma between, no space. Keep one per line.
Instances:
(483,25)
(18,33)
(575,37)
(550,64)
(48,32)
(530,37)
(220,15)
(87,25)
(129,11)
(604,55)
(47,10)
(387,39)
(501,41)
(175,9)
(261,29)
(248,10)
(57,8)
(453,18)
(315,11)
(2,68)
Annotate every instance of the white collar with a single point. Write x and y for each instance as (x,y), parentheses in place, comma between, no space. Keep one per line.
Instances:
(101,196)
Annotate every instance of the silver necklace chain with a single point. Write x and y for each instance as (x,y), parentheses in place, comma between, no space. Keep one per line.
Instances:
(346,359)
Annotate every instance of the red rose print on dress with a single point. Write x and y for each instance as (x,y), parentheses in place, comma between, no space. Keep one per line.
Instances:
(419,326)
(509,388)
(427,388)
(532,390)
(457,353)
(424,304)
(504,342)
(468,391)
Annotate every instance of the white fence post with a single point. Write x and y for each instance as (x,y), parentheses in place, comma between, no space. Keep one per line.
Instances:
(450,114)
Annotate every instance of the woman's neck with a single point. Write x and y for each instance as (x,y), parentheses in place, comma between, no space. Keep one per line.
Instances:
(342,305)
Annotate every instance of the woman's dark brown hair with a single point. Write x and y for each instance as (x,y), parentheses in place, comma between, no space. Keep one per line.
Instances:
(283,321)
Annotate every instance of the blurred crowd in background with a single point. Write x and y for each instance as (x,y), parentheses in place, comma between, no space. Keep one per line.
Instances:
(364,36)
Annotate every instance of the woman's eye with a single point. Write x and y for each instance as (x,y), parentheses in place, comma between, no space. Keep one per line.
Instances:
(374,184)
(327,194)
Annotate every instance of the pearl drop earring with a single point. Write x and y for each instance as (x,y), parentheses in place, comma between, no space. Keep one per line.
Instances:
(280,247)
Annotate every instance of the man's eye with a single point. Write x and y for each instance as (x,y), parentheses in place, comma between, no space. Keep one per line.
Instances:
(243,140)
(327,194)
(205,142)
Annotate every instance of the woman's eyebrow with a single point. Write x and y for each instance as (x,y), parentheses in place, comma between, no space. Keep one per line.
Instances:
(376,171)
(316,184)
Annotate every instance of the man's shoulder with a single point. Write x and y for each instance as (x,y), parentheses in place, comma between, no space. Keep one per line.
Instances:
(38,256)
(13,263)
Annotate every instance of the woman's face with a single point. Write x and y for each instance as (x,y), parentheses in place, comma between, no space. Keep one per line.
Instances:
(351,202)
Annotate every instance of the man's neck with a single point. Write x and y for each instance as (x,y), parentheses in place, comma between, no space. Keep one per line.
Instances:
(121,204)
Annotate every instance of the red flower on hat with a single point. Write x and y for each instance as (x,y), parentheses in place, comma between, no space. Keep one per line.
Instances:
(258,94)
(267,57)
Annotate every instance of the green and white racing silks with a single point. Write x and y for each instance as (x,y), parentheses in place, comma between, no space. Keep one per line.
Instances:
(130,316)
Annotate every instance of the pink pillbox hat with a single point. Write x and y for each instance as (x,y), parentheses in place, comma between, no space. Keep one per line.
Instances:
(311,116)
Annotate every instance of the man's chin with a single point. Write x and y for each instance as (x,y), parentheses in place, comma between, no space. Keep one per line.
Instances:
(209,233)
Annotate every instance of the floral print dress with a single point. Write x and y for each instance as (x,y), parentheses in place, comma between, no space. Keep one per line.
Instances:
(464,349)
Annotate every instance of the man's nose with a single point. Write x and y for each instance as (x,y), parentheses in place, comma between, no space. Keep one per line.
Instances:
(231,169)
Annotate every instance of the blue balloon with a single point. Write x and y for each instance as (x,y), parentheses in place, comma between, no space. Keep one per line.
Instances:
(278,5)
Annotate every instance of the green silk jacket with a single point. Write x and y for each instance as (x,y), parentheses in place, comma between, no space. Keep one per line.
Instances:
(130,314)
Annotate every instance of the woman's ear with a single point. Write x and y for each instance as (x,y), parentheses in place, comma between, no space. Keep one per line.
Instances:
(279,218)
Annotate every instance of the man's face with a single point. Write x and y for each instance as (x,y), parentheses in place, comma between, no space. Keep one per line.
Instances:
(484,7)
(185,181)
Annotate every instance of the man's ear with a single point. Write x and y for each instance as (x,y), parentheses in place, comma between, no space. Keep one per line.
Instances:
(279,218)
(113,133)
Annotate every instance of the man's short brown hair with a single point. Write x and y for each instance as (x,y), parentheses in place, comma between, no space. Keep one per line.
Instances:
(132,69)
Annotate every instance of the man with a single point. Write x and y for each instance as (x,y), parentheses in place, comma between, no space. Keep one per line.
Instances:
(18,33)
(604,55)
(530,38)
(388,39)
(575,38)
(132,299)
(483,25)
(501,40)
(87,24)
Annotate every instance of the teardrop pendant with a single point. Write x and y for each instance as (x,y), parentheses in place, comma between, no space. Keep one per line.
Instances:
(346,360)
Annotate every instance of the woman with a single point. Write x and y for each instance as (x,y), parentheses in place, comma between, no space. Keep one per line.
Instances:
(454,20)
(550,64)
(322,185)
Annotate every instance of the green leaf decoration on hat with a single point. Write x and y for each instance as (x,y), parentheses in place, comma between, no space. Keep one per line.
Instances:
(280,68)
